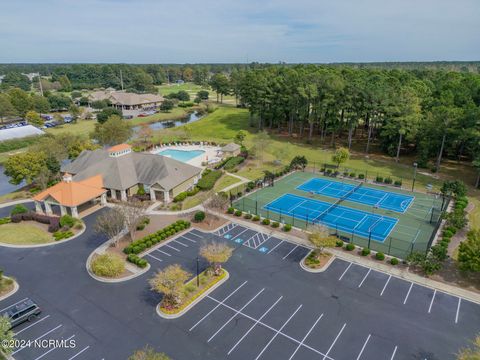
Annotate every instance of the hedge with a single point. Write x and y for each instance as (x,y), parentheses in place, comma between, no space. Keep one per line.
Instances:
(60,235)
(5,220)
(148,241)
(52,221)
(287,227)
(135,259)
(208,180)
(380,256)
(233,162)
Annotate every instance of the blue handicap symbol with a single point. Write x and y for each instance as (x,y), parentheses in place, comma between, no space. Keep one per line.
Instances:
(228,236)
(238,240)
(263,249)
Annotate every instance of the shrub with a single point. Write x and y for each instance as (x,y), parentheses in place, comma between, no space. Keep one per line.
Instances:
(394,261)
(199,216)
(208,180)
(193,191)
(287,227)
(238,213)
(16,218)
(352,174)
(380,256)
(349,247)
(379,179)
(18,209)
(361,176)
(447,233)
(266,221)
(365,251)
(275,224)
(345,173)
(398,183)
(135,259)
(247,216)
(256,218)
(108,265)
(339,243)
(140,227)
(387,180)
(60,235)
(180,197)
(5,220)
(230,210)
(67,220)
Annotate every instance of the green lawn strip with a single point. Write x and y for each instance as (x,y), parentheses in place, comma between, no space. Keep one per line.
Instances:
(191,88)
(15,195)
(23,234)
(224,181)
(81,127)
(474,215)
(192,292)
(398,243)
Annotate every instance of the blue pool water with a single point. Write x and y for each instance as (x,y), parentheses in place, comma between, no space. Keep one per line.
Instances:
(181,155)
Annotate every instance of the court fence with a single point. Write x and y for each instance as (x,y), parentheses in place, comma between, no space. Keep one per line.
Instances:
(393,246)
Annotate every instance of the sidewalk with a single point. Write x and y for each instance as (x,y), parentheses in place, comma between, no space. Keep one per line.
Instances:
(363,261)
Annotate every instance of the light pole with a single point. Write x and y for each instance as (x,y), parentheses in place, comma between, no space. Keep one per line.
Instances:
(414,174)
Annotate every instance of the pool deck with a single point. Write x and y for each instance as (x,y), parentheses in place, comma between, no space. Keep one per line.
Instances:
(210,152)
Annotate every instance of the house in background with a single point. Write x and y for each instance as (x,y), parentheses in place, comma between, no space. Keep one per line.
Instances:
(127,102)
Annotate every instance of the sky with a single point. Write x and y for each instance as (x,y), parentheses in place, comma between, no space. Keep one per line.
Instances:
(238,31)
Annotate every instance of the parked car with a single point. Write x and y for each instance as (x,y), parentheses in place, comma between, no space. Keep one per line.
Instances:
(26,310)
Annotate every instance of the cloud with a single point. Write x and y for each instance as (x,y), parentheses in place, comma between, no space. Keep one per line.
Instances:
(167,31)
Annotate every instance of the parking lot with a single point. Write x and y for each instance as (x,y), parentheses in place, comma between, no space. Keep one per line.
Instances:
(269,308)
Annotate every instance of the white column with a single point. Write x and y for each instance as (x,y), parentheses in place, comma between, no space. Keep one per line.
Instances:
(113,194)
(166,196)
(63,210)
(74,212)
(38,207)
(152,195)
(123,195)
(48,208)
(103,199)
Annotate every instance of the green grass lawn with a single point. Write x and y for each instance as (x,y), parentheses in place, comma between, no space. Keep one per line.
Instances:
(191,88)
(23,234)
(81,127)
(224,181)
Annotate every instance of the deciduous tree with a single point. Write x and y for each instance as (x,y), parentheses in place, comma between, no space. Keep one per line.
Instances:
(216,253)
(169,282)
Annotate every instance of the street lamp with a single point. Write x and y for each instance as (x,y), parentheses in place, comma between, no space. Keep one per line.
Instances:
(415,165)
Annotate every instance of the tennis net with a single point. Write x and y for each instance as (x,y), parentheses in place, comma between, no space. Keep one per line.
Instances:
(344,197)
(336,203)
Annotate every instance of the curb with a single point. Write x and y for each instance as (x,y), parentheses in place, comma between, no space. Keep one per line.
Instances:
(45,245)
(15,202)
(194,302)
(316,271)
(14,290)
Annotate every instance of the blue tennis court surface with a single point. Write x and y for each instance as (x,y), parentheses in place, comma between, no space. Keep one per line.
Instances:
(364,195)
(339,217)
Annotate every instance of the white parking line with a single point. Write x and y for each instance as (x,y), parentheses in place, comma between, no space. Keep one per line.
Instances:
(277,332)
(38,338)
(368,272)
(218,305)
(233,316)
(334,341)
(186,238)
(35,323)
(394,352)
(363,347)
(163,252)
(458,310)
(18,302)
(408,293)
(192,233)
(236,236)
(149,255)
(254,324)
(290,252)
(171,247)
(80,352)
(178,242)
(269,327)
(348,267)
(305,337)
(385,286)
(281,242)
(431,302)
(54,348)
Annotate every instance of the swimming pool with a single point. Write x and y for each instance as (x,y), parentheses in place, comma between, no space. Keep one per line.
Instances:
(181,155)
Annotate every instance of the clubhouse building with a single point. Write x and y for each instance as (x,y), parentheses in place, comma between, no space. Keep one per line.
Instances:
(116,173)
(126,101)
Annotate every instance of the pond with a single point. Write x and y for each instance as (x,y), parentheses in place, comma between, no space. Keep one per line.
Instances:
(5,186)
(166,124)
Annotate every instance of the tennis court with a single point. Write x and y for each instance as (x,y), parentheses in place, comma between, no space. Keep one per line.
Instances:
(374,197)
(337,217)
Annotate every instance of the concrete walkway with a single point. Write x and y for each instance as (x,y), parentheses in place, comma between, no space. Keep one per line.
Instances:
(399,272)
(242,179)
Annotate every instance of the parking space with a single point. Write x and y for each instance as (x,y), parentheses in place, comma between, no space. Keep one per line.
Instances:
(51,336)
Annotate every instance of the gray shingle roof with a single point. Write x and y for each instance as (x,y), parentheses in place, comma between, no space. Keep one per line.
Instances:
(123,172)
(231,147)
